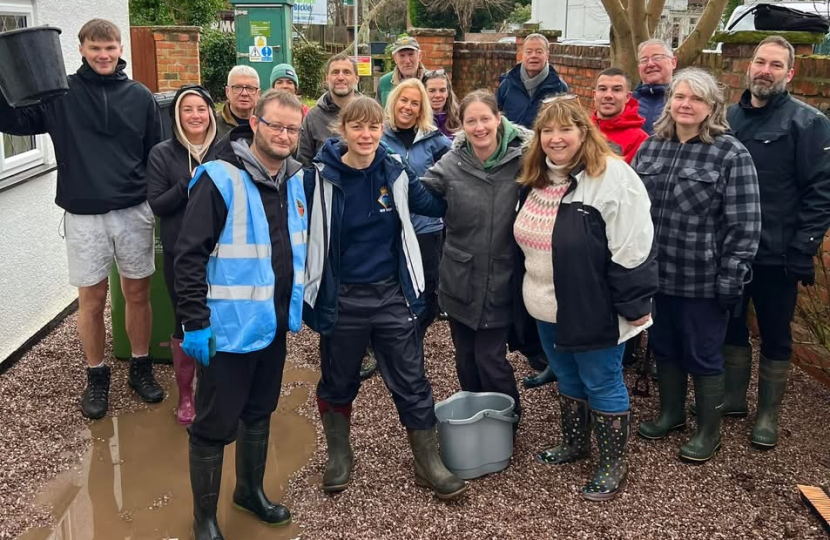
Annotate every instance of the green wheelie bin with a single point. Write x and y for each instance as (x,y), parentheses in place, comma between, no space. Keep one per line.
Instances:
(163,315)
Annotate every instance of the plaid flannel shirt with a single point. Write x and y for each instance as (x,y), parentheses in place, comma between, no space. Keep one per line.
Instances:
(706,208)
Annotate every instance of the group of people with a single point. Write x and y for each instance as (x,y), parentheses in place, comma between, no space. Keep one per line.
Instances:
(534,224)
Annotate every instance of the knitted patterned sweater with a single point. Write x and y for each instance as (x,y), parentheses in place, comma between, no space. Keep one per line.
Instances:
(533,230)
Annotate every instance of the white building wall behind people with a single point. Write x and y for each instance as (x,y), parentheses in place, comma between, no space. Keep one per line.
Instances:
(581,19)
(33,273)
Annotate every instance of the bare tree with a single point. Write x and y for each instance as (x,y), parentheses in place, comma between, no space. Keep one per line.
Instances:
(465,9)
(634,21)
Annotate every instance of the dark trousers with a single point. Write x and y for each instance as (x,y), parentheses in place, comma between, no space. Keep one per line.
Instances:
(377,313)
(236,387)
(431,245)
(481,360)
(689,331)
(170,280)
(773,295)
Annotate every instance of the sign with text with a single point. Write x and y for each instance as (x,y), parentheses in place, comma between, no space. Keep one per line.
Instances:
(261,28)
(364,66)
(310,12)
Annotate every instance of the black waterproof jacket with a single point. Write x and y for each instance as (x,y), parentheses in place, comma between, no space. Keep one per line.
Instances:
(789,141)
(516,103)
(169,171)
(203,222)
(103,130)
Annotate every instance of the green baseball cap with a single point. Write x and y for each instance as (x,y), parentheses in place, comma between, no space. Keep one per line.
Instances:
(405,42)
(284,71)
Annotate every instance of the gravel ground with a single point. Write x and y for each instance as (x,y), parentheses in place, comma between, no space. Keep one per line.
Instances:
(742,493)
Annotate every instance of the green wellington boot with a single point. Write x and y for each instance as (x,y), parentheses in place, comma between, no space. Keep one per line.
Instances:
(709,400)
(337,427)
(737,366)
(772,383)
(672,382)
(612,431)
(576,433)
(430,471)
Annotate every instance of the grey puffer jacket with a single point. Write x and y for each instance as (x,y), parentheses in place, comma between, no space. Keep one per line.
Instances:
(478,264)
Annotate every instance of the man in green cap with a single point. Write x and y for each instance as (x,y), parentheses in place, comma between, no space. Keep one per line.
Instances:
(284,77)
(407,56)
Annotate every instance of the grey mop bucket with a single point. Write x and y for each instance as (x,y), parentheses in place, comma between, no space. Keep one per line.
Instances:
(31,65)
(475,432)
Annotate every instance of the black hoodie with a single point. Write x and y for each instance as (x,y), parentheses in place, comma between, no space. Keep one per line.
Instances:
(203,222)
(103,130)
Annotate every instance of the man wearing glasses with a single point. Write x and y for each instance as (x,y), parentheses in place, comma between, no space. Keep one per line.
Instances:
(656,64)
(242,92)
(240,279)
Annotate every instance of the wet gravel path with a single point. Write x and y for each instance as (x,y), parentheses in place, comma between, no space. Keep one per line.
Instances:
(742,493)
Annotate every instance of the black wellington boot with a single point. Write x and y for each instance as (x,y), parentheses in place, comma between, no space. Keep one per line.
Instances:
(429,469)
(576,433)
(612,430)
(546,376)
(251,453)
(205,480)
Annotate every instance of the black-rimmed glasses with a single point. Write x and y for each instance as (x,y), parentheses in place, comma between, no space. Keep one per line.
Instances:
(279,128)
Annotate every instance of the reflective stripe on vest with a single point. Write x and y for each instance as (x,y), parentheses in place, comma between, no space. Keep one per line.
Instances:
(240,275)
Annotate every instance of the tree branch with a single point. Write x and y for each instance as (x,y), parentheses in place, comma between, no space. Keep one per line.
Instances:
(653,13)
(694,43)
(622,36)
(639,23)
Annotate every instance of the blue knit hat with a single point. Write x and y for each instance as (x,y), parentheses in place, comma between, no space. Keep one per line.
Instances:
(284,71)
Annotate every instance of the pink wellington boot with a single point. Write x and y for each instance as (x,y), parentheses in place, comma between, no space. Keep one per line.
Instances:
(185,368)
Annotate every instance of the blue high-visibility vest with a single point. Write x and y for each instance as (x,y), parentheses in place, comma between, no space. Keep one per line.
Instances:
(240,277)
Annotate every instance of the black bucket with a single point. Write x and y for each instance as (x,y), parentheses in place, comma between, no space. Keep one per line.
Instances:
(31,65)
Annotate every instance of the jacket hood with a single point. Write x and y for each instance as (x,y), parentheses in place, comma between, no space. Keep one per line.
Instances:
(523,135)
(327,104)
(178,131)
(88,73)
(331,155)
(419,136)
(629,118)
(257,170)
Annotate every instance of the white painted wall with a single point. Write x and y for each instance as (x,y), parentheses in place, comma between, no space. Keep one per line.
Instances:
(580,19)
(33,273)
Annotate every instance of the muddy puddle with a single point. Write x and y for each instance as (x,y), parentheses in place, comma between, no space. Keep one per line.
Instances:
(134,483)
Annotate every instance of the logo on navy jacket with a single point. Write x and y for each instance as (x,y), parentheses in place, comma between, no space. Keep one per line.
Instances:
(385,200)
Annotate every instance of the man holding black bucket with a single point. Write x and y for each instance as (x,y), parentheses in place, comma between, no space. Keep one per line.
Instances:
(103,130)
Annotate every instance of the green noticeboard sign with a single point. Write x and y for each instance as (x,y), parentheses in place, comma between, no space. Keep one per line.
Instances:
(261,28)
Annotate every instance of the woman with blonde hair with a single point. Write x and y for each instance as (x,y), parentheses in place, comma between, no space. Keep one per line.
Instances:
(707,215)
(589,275)
(443,101)
(410,133)
(364,279)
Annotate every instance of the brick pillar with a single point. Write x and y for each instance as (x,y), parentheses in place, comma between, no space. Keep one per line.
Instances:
(436,47)
(552,35)
(177,56)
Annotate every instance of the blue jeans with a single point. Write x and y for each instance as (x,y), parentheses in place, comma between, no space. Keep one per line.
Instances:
(592,375)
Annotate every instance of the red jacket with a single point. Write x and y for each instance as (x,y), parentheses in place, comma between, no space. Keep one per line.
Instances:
(625,130)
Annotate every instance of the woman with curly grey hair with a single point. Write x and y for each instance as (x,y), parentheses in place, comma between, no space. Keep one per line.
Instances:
(705,205)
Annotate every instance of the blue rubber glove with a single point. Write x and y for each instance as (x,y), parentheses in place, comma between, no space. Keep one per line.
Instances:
(200,345)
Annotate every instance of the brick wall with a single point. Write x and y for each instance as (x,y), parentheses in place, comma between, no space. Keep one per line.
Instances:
(436,46)
(177,56)
(478,65)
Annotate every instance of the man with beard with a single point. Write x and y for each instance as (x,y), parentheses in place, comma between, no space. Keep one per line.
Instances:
(790,145)
(341,79)
(407,56)
(656,63)
(239,276)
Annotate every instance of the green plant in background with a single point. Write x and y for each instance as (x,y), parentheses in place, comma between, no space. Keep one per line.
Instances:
(520,14)
(813,308)
(217,52)
(175,12)
(309,60)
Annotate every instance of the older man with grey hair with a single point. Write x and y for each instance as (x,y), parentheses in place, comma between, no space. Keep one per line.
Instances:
(523,88)
(656,63)
(242,92)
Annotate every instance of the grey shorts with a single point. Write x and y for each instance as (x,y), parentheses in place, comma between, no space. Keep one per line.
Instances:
(93,241)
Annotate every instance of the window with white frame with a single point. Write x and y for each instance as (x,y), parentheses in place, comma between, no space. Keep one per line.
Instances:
(18,153)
